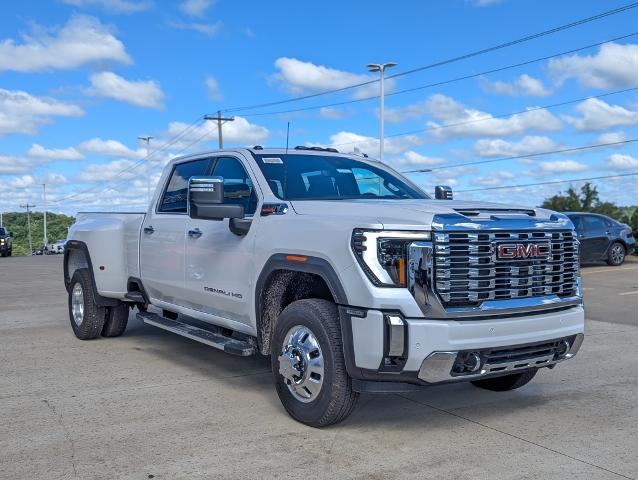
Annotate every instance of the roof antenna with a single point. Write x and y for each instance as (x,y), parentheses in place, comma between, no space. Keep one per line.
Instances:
(287,136)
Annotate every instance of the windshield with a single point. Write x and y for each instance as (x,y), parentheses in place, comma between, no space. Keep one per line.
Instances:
(317,177)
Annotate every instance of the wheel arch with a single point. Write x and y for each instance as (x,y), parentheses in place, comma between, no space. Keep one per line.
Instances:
(286,278)
(76,256)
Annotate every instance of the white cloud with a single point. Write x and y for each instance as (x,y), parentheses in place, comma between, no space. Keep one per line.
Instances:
(494,179)
(614,66)
(619,161)
(298,77)
(611,137)
(599,115)
(346,142)
(212,87)
(331,113)
(83,40)
(143,93)
(523,85)
(416,160)
(111,148)
(121,169)
(195,8)
(10,165)
(239,132)
(562,166)
(502,148)
(209,29)
(38,151)
(53,178)
(21,112)
(408,112)
(113,6)
(470,122)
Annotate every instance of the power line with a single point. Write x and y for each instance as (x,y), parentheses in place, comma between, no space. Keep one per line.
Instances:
(520,40)
(114,186)
(443,82)
(553,182)
(492,117)
(447,61)
(162,147)
(529,155)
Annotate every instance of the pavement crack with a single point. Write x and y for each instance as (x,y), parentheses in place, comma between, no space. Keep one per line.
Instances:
(66,432)
(442,410)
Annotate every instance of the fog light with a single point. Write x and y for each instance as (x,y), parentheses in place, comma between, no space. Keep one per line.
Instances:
(466,363)
(563,348)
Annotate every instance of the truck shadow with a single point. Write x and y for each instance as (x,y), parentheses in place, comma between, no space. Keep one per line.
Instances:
(410,410)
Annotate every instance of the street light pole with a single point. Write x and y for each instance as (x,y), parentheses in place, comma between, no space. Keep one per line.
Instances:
(147,139)
(44,201)
(381,67)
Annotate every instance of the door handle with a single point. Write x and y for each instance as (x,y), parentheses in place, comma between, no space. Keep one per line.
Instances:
(149,230)
(195,233)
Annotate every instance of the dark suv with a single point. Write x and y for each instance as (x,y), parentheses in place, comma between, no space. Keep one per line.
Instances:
(6,245)
(602,238)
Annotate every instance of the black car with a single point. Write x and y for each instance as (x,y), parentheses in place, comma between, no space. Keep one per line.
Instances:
(602,238)
(6,245)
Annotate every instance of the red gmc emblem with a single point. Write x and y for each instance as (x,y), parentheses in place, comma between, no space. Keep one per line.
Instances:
(519,251)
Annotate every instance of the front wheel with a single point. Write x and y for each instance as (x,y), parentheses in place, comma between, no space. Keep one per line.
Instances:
(616,255)
(308,364)
(87,318)
(506,382)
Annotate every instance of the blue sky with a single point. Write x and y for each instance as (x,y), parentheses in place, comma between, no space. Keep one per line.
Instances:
(80,80)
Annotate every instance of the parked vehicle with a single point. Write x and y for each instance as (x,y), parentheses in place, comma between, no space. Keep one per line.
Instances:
(6,242)
(602,238)
(55,248)
(343,271)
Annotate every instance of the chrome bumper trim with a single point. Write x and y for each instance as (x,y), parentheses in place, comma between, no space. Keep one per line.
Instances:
(437,367)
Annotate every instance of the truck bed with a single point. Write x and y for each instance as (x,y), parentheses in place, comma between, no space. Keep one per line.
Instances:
(113,240)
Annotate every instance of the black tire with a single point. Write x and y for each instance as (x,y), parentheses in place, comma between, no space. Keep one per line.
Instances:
(616,255)
(336,399)
(10,253)
(116,320)
(506,382)
(90,324)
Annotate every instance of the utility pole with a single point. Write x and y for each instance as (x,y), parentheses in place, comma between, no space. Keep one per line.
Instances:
(44,200)
(27,206)
(220,121)
(147,139)
(381,67)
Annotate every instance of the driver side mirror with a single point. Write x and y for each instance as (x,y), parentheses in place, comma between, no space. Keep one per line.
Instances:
(443,192)
(206,200)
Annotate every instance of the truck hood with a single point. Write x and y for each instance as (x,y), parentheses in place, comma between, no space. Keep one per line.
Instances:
(434,213)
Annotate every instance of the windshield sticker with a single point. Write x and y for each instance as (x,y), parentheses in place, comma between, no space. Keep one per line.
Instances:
(275,160)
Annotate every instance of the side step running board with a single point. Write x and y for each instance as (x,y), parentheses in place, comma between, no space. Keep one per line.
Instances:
(230,345)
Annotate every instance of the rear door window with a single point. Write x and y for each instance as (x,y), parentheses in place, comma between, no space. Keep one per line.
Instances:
(174,198)
(594,224)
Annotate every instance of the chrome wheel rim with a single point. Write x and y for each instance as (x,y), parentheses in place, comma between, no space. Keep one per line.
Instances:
(617,254)
(77,304)
(301,364)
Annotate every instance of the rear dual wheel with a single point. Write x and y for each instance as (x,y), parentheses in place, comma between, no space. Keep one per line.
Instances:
(88,319)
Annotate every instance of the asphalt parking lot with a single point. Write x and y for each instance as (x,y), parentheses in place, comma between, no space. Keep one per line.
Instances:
(154,405)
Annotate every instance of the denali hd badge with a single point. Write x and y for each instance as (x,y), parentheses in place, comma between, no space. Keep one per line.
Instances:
(521,251)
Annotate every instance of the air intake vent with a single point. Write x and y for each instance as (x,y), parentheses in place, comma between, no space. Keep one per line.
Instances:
(475,212)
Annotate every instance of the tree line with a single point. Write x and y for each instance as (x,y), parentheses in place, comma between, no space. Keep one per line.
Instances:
(588,200)
(16,223)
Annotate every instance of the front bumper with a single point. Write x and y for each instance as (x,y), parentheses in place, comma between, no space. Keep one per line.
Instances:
(432,348)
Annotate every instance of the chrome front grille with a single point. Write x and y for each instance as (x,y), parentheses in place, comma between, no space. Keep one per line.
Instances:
(467,271)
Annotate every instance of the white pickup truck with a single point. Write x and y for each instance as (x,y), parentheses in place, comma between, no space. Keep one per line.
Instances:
(344,272)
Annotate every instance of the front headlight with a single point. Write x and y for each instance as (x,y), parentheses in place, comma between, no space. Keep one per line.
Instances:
(383,255)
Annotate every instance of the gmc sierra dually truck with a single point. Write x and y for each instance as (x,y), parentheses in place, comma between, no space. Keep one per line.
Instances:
(344,272)
(6,245)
